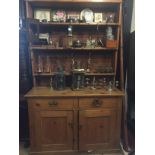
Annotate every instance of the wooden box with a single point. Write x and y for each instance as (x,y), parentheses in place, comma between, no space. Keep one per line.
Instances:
(111,43)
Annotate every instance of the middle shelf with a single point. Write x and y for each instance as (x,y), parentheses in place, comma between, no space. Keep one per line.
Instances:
(50,48)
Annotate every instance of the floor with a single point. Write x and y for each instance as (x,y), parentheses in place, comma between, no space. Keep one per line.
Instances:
(25,151)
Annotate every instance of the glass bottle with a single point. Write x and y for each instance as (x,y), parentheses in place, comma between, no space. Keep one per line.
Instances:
(104,83)
(51,83)
(40,64)
(116,84)
(48,65)
(110,86)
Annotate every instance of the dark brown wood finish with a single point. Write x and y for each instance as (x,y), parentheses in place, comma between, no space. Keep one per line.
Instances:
(72,121)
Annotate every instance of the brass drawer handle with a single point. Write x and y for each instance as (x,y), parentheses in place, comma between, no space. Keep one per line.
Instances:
(97,103)
(52,103)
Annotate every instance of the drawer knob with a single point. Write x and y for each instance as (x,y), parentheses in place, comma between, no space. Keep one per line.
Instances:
(37,104)
(97,103)
(52,103)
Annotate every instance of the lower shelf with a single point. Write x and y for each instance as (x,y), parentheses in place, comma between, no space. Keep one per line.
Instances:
(67,74)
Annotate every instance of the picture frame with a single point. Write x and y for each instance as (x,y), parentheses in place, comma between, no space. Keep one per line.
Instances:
(58,16)
(42,14)
(98,17)
(104,18)
(73,16)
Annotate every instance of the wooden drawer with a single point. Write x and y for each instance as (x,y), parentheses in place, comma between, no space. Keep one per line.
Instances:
(99,102)
(52,103)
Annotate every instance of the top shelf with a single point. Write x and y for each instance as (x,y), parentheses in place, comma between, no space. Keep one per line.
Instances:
(75,1)
(78,24)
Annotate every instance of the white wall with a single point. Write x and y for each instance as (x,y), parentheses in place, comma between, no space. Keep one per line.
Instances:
(133,18)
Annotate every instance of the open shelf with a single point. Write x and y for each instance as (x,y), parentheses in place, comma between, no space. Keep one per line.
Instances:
(48,47)
(58,1)
(49,74)
(77,24)
(67,74)
(48,3)
(99,74)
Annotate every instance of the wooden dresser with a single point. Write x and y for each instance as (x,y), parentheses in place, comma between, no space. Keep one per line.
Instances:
(68,120)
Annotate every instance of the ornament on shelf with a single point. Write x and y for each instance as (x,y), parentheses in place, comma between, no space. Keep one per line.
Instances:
(116,84)
(110,86)
(59,77)
(40,64)
(51,83)
(70,31)
(109,34)
(110,17)
(88,64)
(48,65)
(93,83)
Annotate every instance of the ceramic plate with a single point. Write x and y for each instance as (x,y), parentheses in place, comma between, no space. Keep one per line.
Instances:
(87,15)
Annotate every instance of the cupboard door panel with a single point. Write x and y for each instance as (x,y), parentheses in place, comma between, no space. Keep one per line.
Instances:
(97,129)
(54,130)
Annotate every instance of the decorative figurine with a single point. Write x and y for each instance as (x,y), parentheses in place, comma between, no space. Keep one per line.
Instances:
(110,42)
(77,43)
(109,34)
(110,86)
(88,43)
(87,82)
(110,17)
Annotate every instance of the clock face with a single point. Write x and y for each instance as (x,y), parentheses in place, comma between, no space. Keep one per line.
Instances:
(87,15)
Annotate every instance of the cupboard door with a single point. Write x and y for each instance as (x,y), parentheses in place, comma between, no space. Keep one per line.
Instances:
(54,130)
(97,129)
